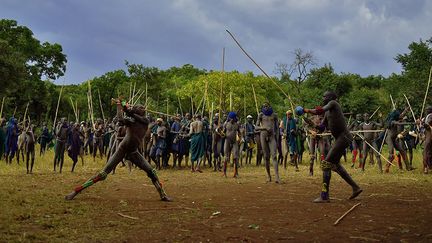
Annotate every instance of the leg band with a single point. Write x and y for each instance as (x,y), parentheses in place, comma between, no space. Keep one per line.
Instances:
(99,177)
(325,165)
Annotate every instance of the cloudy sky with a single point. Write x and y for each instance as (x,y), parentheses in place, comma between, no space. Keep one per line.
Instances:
(356,36)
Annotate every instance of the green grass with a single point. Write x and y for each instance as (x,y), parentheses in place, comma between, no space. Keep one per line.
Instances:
(32,207)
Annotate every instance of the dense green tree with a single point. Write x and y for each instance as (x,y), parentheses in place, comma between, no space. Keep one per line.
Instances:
(24,62)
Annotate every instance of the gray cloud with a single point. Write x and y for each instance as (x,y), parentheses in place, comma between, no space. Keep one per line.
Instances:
(359,36)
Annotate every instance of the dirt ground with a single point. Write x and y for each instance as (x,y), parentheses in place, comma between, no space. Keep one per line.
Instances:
(210,208)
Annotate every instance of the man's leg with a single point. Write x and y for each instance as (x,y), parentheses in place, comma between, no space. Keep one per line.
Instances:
(334,157)
(325,193)
(273,151)
(27,161)
(312,153)
(112,163)
(235,153)
(332,163)
(32,154)
(366,152)
(62,146)
(227,152)
(266,154)
(139,161)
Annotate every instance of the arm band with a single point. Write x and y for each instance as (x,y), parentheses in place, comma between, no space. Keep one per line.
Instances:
(319,110)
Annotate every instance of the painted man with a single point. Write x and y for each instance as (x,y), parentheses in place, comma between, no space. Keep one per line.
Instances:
(197,143)
(136,124)
(30,148)
(250,138)
(335,122)
(61,133)
(2,137)
(217,138)
(267,125)
(11,139)
(314,139)
(185,130)
(176,145)
(88,138)
(370,140)
(231,130)
(290,130)
(44,139)
(392,123)
(161,135)
(426,123)
(98,139)
(207,142)
(74,145)
(116,139)
(357,141)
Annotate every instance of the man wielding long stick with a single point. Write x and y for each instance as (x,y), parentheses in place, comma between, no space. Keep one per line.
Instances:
(334,121)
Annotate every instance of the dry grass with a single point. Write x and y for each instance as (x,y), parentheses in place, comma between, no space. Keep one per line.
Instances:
(32,207)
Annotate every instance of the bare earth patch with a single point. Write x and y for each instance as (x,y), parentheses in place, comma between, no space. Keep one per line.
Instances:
(210,208)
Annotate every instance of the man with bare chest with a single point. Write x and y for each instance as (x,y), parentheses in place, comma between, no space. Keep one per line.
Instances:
(267,124)
(197,147)
(334,121)
(231,146)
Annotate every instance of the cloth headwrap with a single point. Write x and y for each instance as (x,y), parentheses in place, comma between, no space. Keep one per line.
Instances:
(393,116)
(12,121)
(232,115)
(267,111)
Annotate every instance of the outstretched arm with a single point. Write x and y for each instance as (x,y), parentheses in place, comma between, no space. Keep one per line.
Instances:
(320,110)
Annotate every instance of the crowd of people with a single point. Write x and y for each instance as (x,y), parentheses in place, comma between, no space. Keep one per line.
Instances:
(222,139)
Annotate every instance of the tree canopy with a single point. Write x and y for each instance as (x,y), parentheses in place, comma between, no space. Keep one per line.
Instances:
(27,67)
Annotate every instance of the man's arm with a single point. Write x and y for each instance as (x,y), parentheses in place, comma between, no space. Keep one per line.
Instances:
(320,110)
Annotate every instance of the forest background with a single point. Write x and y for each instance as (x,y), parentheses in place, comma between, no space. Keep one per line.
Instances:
(28,68)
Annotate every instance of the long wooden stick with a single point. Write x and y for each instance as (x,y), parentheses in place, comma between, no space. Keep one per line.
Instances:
(1,110)
(211,115)
(26,110)
(426,94)
(88,106)
(178,98)
(255,98)
(146,97)
(91,104)
(127,216)
(74,109)
(345,214)
(384,138)
(58,104)
(130,91)
(409,105)
(205,98)
(133,93)
(100,103)
(375,112)
(244,105)
(412,112)
(199,105)
(221,87)
(25,113)
(372,147)
(139,96)
(394,105)
(167,107)
(256,64)
(160,113)
(230,101)
(192,106)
